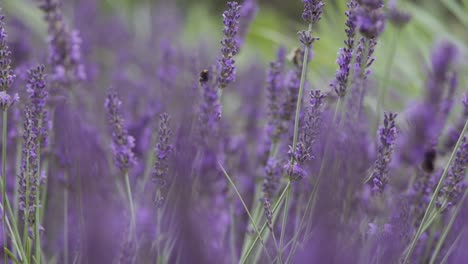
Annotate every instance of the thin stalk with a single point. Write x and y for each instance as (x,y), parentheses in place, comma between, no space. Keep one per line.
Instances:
(384,84)
(232,234)
(259,236)
(305,64)
(447,228)
(130,201)
(15,237)
(4,196)
(283,224)
(275,207)
(452,247)
(37,222)
(65,220)
(435,194)
(257,211)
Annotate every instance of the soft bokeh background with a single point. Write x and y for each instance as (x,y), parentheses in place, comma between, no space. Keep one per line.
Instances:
(276,23)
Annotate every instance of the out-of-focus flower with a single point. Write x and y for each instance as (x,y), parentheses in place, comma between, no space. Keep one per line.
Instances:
(455,183)
(397,17)
(248,11)
(64,46)
(425,119)
(122,142)
(370,18)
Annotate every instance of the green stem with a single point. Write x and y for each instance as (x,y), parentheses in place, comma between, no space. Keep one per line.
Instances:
(37,222)
(283,224)
(447,228)
(384,84)
(259,236)
(275,207)
(434,195)
(4,197)
(305,64)
(132,206)
(65,220)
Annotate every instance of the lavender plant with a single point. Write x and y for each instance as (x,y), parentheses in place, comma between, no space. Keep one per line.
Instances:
(294,163)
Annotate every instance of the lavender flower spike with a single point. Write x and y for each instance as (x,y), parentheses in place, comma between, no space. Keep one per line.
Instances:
(387,136)
(7,77)
(28,181)
(346,54)
(371,20)
(455,185)
(230,45)
(312,11)
(36,88)
(163,150)
(64,46)
(122,142)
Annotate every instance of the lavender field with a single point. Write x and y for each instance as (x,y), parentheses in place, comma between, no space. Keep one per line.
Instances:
(331,131)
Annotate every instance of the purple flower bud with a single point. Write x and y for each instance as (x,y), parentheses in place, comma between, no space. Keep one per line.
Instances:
(272,179)
(6,101)
(455,184)
(36,88)
(312,11)
(7,77)
(64,46)
(370,19)
(396,16)
(229,44)
(387,137)
(346,54)
(294,171)
(122,142)
(162,151)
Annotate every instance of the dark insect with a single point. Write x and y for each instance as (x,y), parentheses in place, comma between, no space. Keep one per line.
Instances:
(204,76)
(429,160)
(298,57)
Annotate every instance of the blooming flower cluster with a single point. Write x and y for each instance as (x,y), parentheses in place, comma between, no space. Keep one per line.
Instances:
(303,166)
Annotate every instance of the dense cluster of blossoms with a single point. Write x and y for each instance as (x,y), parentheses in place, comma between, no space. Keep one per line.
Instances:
(36,88)
(197,217)
(122,142)
(29,180)
(162,151)
(230,47)
(345,55)
(64,46)
(370,18)
(387,137)
(455,184)
(7,77)
(312,11)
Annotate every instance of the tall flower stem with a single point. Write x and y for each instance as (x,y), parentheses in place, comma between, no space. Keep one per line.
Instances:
(305,67)
(4,196)
(305,64)
(383,87)
(278,203)
(65,220)
(431,205)
(131,204)
(37,222)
